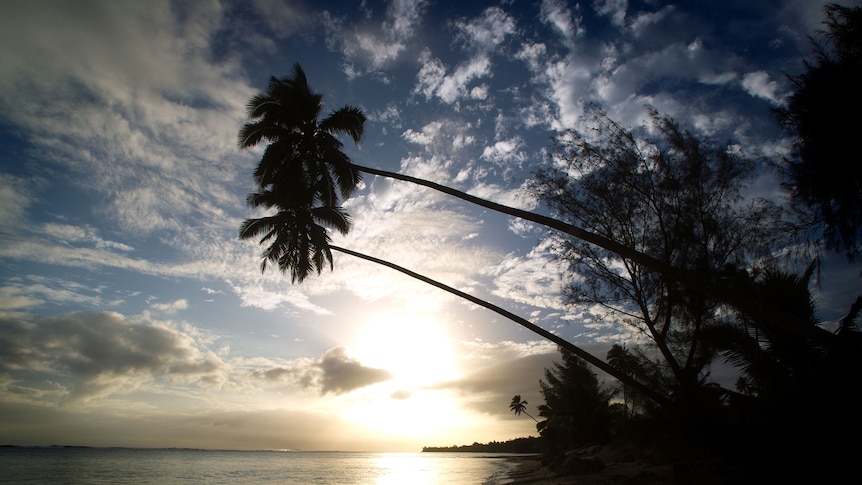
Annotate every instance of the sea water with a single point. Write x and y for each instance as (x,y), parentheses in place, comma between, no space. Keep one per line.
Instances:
(91,466)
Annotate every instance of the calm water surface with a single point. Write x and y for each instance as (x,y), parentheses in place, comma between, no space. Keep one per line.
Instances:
(60,465)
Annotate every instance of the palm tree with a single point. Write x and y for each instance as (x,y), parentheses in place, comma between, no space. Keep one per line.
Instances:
(518,406)
(298,235)
(305,157)
(304,174)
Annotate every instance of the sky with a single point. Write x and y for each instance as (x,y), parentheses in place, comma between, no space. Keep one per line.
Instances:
(132,315)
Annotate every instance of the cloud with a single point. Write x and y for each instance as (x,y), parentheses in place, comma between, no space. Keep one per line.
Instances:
(287,426)
(486,32)
(284,19)
(556,14)
(171,307)
(335,372)
(37,290)
(615,10)
(505,151)
(70,234)
(92,355)
(14,200)
(374,46)
(758,84)
(500,370)
(342,374)
(432,80)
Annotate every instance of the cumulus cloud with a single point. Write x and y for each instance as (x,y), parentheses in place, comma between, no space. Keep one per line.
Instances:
(487,31)
(558,15)
(433,81)
(93,355)
(499,371)
(370,47)
(171,307)
(340,373)
(758,84)
(335,372)
(505,151)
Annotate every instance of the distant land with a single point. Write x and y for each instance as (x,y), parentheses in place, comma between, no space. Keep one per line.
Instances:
(518,445)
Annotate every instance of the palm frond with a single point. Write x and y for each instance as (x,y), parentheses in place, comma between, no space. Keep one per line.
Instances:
(349,120)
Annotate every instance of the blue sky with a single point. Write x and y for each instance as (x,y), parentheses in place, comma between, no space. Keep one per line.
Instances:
(132,315)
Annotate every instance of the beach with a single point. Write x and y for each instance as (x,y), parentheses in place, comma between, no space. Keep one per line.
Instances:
(531,471)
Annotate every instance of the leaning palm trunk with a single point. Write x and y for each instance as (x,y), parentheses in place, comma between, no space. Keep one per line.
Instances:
(740,302)
(616,373)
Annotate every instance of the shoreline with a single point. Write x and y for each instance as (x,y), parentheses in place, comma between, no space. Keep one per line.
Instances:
(621,465)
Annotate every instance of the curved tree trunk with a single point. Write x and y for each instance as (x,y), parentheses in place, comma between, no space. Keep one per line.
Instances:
(622,377)
(740,302)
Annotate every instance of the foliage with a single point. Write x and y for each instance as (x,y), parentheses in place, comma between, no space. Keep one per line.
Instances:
(676,198)
(825,172)
(673,197)
(518,445)
(303,173)
(519,406)
(577,408)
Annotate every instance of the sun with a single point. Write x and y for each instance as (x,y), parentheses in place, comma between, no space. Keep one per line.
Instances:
(419,353)
(415,348)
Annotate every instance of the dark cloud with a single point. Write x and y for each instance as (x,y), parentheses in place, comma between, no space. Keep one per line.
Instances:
(341,373)
(490,389)
(334,372)
(288,428)
(95,354)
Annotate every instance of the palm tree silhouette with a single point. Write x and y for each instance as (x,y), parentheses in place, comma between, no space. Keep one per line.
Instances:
(518,406)
(304,175)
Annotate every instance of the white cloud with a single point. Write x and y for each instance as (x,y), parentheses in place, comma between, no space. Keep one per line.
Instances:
(426,136)
(505,151)
(613,9)
(454,87)
(373,46)
(171,307)
(488,31)
(68,233)
(758,84)
(557,14)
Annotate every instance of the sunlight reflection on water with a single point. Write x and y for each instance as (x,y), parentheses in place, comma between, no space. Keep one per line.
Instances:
(94,466)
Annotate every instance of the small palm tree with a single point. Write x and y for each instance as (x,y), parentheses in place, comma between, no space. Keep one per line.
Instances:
(518,406)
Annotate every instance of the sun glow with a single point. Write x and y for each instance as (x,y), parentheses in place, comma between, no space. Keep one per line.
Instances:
(414,348)
(419,353)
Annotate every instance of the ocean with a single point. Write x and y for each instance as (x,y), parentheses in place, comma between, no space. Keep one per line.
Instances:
(92,466)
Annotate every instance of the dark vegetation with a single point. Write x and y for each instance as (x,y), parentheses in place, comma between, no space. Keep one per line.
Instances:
(659,234)
(518,445)
(788,417)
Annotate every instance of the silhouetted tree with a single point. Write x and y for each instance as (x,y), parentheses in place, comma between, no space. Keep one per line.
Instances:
(788,385)
(304,175)
(675,198)
(825,173)
(576,408)
(518,406)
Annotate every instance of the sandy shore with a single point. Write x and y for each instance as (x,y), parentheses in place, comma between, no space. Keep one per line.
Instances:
(529,470)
